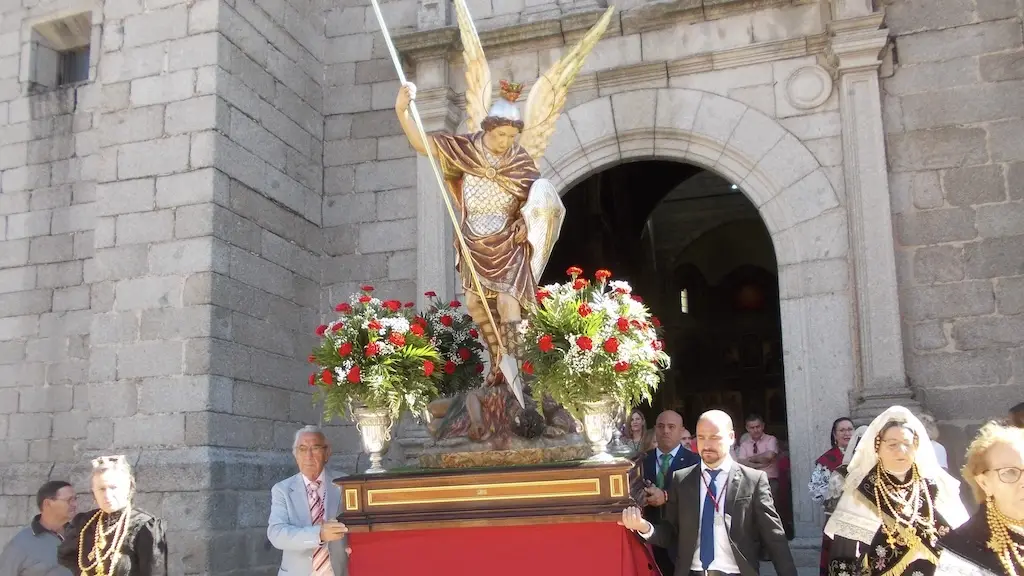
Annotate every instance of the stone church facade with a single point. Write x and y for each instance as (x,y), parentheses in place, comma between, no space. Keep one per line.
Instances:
(184,199)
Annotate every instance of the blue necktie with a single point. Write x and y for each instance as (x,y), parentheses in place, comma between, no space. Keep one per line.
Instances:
(707,523)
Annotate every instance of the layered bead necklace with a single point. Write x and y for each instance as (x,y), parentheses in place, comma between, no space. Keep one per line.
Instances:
(903,503)
(103,549)
(1003,529)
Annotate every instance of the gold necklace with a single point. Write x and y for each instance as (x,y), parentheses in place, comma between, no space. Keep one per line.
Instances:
(903,529)
(100,551)
(1002,528)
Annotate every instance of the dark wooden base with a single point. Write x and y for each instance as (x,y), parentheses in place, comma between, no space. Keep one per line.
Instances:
(561,493)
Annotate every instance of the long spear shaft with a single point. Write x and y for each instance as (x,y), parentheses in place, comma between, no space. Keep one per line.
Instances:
(509,369)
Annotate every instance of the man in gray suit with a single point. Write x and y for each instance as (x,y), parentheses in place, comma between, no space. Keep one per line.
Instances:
(303,513)
(718,512)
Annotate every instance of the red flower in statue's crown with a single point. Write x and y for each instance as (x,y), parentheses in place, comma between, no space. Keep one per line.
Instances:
(328,377)
(428,368)
(602,275)
(312,379)
(542,294)
(367,288)
(473,333)
(371,349)
(611,345)
(416,329)
(373,325)
(584,310)
(574,271)
(545,344)
(527,367)
(345,349)
(364,299)
(396,339)
(354,375)
(510,90)
(430,294)
(455,304)
(622,324)
(621,366)
(344,308)
(585,343)
(464,354)
(580,283)
(321,329)
(446,320)
(449,367)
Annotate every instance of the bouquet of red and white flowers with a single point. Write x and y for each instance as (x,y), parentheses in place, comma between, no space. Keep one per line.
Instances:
(590,340)
(454,334)
(374,354)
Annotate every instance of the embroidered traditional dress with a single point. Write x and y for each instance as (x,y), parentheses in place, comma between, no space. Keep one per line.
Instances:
(818,487)
(966,550)
(142,550)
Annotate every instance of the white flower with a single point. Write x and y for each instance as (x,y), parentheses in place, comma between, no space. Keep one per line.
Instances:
(620,286)
(398,324)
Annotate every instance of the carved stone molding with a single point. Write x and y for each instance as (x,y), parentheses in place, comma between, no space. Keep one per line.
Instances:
(808,87)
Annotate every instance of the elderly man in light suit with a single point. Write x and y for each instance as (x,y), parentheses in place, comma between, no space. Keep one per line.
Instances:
(303,513)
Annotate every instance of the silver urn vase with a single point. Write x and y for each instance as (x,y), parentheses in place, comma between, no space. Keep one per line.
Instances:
(374,428)
(598,424)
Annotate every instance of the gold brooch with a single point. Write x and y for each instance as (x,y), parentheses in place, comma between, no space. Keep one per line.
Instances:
(490,173)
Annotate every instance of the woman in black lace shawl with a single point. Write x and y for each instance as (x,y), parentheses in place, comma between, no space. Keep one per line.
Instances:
(115,539)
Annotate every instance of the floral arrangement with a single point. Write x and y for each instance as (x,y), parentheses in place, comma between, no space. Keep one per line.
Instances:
(374,354)
(590,340)
(454,334)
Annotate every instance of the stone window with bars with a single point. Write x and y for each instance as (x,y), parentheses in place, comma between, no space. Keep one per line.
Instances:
(59,52)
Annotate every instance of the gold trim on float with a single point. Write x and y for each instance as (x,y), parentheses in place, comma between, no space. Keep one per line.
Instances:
(351,499)
(615,484)
(484,492)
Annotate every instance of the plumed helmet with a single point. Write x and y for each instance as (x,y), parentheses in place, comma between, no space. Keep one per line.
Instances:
(505,107)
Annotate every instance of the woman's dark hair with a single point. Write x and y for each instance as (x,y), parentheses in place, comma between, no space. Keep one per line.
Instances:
(492,122)
(832,434)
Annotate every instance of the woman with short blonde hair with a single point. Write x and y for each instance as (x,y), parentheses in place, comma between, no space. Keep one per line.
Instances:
(992,541)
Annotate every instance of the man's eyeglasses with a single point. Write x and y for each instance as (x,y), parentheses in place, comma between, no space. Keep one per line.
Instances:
(1007,475)
(318,449)
(68,500)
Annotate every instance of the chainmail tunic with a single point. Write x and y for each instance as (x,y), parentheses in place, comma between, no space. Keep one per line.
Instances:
(489,209)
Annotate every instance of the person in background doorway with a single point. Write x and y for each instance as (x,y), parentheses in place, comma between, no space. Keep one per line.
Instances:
(637,435)
(760,451)
(687,441)
(839,438)
(933,434)
(33,551)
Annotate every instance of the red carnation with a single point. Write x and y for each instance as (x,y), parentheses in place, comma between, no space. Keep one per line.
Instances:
(621,291)
(527,367)
(446,320)
(430,294)
(449,367)
(367,288)
(321,329)
(585,343)
(579,283)
(428,368)
(479,368)
(364,299)
(311,359)
(409,304)
(416,329)
(611,345)
(658,345)
(637,298)
(621,366)
(541,294)
(455,303)
(602,275)
(474,333)
(328,377)
(371,349)
(312,379)
(464,354)
(420,320)
(338,328)
(344,308)
(655,321)
(393,305)
(622,324)
(345,349)
(574,271)
(396,339)
(353,375)
(373,325)
(584,310)
(545,343)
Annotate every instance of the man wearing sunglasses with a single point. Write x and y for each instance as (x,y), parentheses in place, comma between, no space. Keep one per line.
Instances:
(33,551)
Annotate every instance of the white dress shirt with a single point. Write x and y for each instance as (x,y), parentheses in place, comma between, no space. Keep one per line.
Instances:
(724,560)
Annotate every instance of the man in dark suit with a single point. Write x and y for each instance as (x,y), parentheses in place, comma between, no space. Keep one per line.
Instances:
(660,464)
(719,513)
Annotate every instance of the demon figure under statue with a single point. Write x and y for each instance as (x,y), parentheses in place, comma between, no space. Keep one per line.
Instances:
(509,219)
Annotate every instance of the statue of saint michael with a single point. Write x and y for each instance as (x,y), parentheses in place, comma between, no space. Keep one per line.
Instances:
(508,216)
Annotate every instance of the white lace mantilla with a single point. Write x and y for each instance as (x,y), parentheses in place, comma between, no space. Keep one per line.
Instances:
(952,564)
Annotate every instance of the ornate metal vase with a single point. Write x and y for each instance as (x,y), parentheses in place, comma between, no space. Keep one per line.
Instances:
(375,431)
(598,424)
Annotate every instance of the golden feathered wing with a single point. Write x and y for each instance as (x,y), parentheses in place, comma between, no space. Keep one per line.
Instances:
(478,73)
(547,97)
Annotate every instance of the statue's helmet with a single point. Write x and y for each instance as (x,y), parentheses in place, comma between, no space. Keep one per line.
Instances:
(504,111)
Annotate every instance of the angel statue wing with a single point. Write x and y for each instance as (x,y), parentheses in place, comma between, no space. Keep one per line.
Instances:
(547,98)
(478,73)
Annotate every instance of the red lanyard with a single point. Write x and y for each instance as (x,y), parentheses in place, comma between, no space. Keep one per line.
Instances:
(714,499)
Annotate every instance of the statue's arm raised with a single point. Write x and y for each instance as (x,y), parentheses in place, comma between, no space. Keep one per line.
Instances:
(406,94)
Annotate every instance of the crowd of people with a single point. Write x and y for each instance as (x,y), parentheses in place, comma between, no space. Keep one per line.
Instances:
(892,507)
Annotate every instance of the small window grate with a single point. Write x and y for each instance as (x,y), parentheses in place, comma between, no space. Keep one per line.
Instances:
(73,66)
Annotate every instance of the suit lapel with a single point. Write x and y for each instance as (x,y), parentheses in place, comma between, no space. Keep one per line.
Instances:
(300,501)
(651,466)
(735,477)
(690,493)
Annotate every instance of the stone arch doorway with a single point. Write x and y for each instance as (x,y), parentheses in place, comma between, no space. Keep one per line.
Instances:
(799,208)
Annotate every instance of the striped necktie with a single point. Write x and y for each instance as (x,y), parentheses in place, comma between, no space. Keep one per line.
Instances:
(321,557)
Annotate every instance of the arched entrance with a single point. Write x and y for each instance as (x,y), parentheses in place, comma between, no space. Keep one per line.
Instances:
(695,248)
(796,203)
